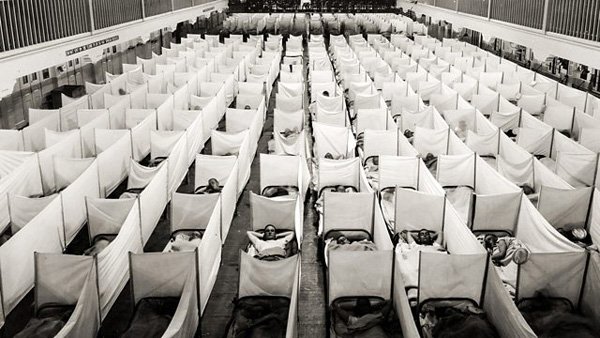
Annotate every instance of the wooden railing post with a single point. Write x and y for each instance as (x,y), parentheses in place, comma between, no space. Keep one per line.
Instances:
(91,9)
(545,21)
(489,11)
(143,10)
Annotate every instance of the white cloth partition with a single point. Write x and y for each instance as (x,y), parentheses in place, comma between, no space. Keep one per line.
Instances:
(69,280)
(88,121)
(565,207)
(359,274)
(439,280)
(153,200)
(338,141)
(416,210)
(19,175)
(456,170)
(44,233)
(24,209)
(169,275)
(113,265)
(431,141)
(114,158)
(343,211)
(69,146)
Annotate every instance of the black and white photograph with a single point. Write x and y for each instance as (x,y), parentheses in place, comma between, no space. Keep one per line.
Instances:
(299,168)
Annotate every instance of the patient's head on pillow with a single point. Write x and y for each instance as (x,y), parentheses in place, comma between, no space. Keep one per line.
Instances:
(213,183)
(490,241)
(325,93)
(329,156)
(527,189)
(376,160)
(408,133)
(247,107)
(579,233)
(122,91)
(425,237)
(269,232)
(342,240)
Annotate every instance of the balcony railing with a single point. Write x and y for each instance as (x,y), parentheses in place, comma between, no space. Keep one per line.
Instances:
(577,18)
(25,23)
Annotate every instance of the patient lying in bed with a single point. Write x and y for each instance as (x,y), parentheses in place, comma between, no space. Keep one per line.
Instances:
(530,193)
(259,317)
(363,317)
(455,318)
(48,322)
(408,249)
(289,136)
(355,241)
(100,243)
(555,317)
(270,245)
(431,162)
(578,235)
(212,187)
(185,241)
(507,254)
(152,317)
(277,191)
(372,171)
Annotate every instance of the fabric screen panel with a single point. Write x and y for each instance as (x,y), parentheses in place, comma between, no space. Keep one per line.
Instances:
(346,211)
(577,169)
(229,197)
(34,135)
(11,140)
(161,274)
(178,164)
(191,122)
(209,252)
(545,176)
(332,118)
(140,131)
(559,116)
(44,233)
(533,104)
(339,172)
(140,176)
(290,89)
(501,310)
(22,178)
(199,102)
(85,319)
(401,304)
(192,211)
(244,163)
(288,103)
(438,277)
(594,226)
(297,147)
(331,139)
(87,133)
(563,207)
(163,142)
(564,144)
(68,113)
(538,234)
(483,144)
(186,318)
(73,200)
(456,170)
(454,117)
(535,141)
(266,278)
(496,211)
(355,273)
(23,209)
(557,274)
(589,138)
(486,104)
(113,262)
(253,101)
(59,279)
(67,170)
(331,103)
(116,112)
(211,166)
(445,101)
(283,120)
(249,88)
(380,142)
(164,114)
(277,170)
(398,171)
(106,216)
(210,118)
(517,173)
(54,137)
(505,120)
(431,141)
(114,161)
(238,120)
(227,144)
(317,90)
(278,212)
(415,210)
(292,325)
(152,201)
(488,181)
(591,292)
(69,147)
(371,119)
(181,98)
